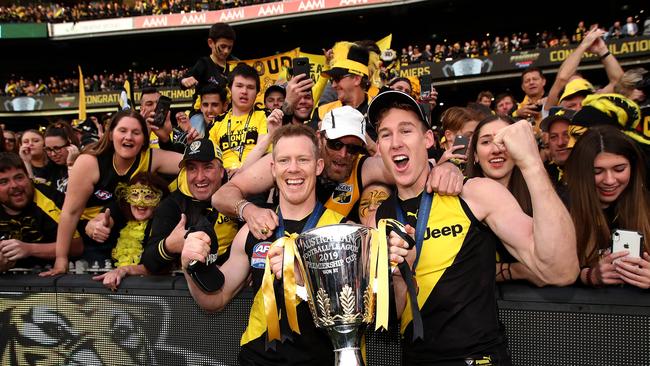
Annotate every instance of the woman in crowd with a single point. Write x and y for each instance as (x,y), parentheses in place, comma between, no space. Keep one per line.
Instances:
(614,199)
(456,121)
(487,161)
(121,153)
(126,225)
(62,148)
(10,141)
(401,84)
(32,151)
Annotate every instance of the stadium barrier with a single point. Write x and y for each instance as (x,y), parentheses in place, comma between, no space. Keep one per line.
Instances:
(154,321)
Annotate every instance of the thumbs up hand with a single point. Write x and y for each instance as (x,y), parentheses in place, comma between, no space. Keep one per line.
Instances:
(99,228)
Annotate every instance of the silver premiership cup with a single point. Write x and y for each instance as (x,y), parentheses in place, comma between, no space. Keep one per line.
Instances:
(336,260)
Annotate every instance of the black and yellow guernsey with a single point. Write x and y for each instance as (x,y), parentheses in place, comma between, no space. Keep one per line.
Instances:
(343,197)
(36,223)
(454,271)
(311,346)
(104,189)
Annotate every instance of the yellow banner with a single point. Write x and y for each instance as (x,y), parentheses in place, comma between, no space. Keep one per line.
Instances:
(270,69)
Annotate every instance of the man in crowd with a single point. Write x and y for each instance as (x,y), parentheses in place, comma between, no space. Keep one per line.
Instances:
(274,97)
(454,254)
(299,102)
(346,173)
(236,133)
(532,84)
(349,77)
(29,214)
(295,166)
(559,146)
(186,207)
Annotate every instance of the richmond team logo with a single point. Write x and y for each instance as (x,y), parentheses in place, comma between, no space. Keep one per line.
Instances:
(195,146)
(258,259)
(342,193)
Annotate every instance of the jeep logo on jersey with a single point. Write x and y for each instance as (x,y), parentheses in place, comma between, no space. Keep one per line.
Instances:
(258,259)
(452,230)
(342,193)
(103,195)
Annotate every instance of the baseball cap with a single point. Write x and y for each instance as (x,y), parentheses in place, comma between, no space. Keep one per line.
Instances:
(344,121)
(201,150)
(556,114)
(576,86)
(275,88)
(355,62)
(389,97)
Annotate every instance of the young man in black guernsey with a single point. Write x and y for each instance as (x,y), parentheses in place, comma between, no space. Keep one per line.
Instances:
(295,167)
(453,262)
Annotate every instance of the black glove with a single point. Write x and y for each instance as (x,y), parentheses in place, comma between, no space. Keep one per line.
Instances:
(206,275)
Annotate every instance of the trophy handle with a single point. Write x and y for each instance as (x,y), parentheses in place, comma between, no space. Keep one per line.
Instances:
(448,70)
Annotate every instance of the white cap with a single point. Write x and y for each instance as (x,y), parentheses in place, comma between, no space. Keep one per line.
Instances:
(344,121)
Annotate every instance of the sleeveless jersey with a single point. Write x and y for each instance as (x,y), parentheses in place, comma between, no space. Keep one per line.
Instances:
(344,197)
(104,189)
(455,277)
(311,346)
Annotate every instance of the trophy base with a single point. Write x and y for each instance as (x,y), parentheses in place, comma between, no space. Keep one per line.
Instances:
(350,356)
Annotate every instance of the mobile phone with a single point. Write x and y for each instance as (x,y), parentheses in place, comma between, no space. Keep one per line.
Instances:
(425,86)
(301,66)
(628,240)
(162,108)
(536,107)
(461,140)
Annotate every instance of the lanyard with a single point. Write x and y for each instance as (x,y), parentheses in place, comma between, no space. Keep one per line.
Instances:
(310,224)
(422,218)
(240,147)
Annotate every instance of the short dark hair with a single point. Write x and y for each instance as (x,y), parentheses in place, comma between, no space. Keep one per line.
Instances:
(244,71)
(214,89)
(294,130)
(221,30)
(64,130)
(533,69)
(10,160)
(149,90)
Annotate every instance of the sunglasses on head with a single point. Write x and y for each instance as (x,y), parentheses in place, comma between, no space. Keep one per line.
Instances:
(351,149)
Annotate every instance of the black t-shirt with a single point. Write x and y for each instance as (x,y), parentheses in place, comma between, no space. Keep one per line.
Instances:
(206,72)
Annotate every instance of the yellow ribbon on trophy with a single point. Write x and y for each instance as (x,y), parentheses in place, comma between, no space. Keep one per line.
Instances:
(268,293)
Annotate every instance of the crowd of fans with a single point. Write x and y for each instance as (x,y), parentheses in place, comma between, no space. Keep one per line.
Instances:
(556,178)
(52,12)
(522,41)
(18,86)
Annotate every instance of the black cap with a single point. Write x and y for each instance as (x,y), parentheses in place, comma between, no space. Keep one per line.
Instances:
(275,87)
(389,97)
(201,150)
(556,114)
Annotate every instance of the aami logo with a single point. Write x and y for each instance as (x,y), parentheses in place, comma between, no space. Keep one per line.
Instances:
(311,5)
(194,18)
(103,195)
(229,15)
(271,9)
(258,259)
(155,22)
(452,230)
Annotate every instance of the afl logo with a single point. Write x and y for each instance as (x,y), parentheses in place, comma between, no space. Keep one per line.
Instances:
(103,195)
(258,259)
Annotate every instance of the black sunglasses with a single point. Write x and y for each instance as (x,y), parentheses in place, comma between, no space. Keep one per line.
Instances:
(351,149)
(338,78)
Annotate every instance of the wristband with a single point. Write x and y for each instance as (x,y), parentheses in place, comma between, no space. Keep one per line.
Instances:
(238,207)
(605,55)
(240,214)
